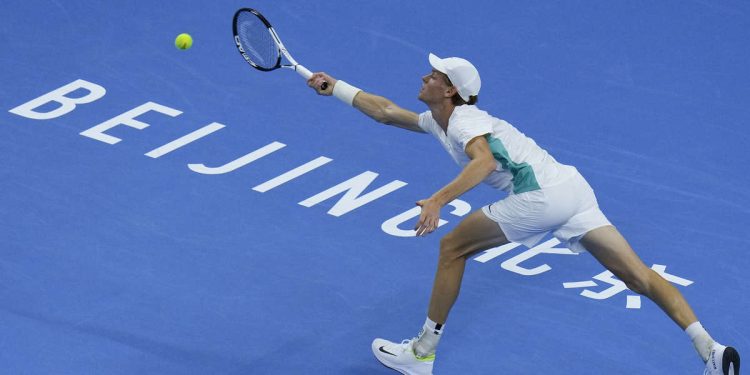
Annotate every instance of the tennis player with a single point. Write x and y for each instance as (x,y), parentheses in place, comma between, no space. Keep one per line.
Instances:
(544,196)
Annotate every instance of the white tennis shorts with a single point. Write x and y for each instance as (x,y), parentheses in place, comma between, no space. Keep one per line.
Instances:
(567,210)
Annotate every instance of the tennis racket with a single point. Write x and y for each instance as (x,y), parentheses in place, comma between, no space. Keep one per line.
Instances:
(260,46)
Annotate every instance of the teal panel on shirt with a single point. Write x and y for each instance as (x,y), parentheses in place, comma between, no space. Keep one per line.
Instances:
(524,178)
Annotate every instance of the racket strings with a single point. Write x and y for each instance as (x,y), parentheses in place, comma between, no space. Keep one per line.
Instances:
(257,41)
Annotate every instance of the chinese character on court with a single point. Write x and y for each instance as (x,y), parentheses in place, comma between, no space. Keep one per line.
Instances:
(616,286)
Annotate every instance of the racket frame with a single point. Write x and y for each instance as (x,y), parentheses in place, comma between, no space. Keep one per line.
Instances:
(293,64)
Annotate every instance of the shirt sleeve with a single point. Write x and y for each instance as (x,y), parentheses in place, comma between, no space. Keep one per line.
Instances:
(427,123)
(469,128)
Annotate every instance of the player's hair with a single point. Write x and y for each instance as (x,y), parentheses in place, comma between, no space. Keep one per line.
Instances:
(457,99)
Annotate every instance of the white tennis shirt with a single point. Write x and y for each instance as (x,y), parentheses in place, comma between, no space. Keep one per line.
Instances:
(521,164)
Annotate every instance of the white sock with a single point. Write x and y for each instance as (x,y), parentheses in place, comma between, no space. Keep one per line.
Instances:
(428,338)
(701,339)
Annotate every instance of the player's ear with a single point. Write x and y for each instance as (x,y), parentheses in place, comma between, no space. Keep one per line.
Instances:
(450,91)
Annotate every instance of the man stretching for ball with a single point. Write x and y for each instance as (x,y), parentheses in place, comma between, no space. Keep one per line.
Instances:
(544,197)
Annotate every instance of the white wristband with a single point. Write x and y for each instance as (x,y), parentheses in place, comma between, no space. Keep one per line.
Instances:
(345,92)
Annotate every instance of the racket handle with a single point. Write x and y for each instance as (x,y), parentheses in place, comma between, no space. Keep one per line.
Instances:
(306,74)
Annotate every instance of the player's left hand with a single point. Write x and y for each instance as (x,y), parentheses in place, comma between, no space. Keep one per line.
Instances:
(429,218)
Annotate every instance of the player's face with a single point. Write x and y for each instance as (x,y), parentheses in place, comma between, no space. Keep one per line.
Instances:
(434,87)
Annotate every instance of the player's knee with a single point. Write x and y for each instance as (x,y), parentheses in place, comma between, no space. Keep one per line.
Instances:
(450,250)
(638,281)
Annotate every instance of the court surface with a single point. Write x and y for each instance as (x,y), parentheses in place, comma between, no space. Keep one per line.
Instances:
(189,261)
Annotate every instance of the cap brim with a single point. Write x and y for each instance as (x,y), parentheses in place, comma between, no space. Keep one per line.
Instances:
(437,63)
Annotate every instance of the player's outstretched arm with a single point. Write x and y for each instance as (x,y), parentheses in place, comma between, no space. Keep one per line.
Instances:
(376,107)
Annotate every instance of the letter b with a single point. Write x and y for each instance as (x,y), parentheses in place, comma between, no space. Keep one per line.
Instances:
(67,104)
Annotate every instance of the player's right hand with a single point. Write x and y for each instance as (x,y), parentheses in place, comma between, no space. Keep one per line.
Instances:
(316,81)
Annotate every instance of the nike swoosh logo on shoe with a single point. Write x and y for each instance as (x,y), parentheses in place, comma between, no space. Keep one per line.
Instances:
(385,351)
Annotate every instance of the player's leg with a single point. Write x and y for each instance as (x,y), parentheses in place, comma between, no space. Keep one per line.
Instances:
(611,249)
(475,233)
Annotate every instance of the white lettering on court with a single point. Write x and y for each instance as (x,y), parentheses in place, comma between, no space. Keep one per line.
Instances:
(67,104)
(353,188)
(239,162)
(294,173)
(185,140)
(127,119)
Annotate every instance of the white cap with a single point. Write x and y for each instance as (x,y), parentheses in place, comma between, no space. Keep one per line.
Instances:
(462,74)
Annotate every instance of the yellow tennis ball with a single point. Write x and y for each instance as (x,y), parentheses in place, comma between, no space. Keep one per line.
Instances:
(183,41)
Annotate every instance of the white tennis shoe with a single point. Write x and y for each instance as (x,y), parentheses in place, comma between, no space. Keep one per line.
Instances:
(723,360)
(401,357)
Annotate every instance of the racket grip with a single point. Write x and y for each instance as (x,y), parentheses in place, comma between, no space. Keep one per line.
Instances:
(306,74)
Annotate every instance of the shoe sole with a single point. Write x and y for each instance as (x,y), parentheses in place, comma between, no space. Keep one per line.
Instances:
(392,368)
(730,361)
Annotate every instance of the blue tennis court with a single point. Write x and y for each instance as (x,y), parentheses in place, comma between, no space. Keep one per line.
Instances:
(156,228)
